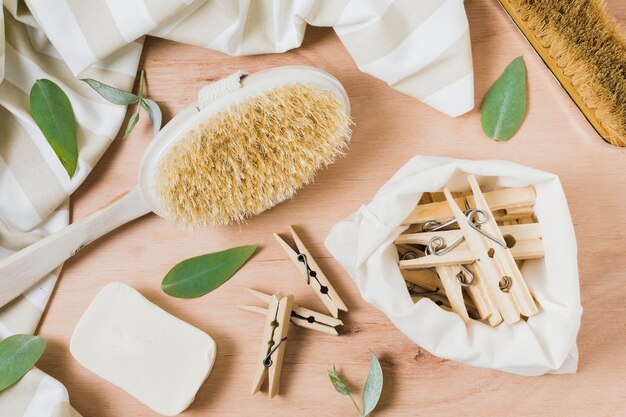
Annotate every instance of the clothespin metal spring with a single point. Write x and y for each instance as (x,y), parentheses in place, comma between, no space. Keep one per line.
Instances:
(267,362)
(311,273)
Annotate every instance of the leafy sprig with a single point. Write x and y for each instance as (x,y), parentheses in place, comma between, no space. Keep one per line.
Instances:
(125,98)
(371,391)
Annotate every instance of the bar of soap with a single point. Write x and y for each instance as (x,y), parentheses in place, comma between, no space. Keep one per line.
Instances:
(157,358)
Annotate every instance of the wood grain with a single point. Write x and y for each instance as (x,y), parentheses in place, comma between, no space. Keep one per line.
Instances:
(390,128)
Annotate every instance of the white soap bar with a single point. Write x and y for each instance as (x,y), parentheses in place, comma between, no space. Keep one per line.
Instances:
(157,358)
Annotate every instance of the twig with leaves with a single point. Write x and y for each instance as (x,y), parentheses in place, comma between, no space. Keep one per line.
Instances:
(126,98)
(53,113)
(371,391)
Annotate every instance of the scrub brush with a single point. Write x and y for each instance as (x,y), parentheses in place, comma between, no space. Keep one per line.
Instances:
(245,160)
(248,143)
(586,51)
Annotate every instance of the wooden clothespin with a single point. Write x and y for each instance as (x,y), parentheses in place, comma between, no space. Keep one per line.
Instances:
(478,292)
(520,232)
(430,279)
(510,206)
(527,245)
(494,261)
(300,316)
(436,292)
(500,201)
(313,274)
(270,360)
(486,266)
(464,255)
(453,277)
(503,256)
(426,278)
(454,289)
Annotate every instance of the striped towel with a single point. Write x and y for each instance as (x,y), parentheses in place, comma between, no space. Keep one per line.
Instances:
(419,47)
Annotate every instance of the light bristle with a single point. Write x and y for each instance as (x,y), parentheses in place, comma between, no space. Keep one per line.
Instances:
(251,157)
(590,48)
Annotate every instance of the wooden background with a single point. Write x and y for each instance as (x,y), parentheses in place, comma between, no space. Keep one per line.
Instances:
(390,128)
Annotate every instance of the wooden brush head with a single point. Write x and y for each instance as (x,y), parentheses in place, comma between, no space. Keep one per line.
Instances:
(252,156)
(586,51)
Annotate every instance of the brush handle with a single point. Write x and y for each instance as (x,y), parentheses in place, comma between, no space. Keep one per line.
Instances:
(25,268)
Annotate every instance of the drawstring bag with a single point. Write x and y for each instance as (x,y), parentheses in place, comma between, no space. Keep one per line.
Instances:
(363,244)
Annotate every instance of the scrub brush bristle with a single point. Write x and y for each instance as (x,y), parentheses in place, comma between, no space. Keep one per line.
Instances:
(251,157)
(586,50)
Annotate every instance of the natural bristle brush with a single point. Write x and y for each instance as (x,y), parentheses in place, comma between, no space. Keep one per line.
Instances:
(270,145)
(248,144)
(585,49)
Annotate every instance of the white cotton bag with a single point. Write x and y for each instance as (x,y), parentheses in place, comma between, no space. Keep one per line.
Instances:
(546,343)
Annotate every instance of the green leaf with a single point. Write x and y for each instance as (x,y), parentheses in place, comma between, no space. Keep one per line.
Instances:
(121,97)
(373,385)
(131,124)
(112,94)
(504,107)
(154,112)
(340,385)
(18,354)
(141,80)
(198,276)
(52,111)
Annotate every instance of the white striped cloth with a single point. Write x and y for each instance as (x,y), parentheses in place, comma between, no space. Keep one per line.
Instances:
(420,47)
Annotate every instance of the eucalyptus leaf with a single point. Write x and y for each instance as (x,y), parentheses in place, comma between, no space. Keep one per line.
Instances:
(198,276)
(342,388)
(121,97)
(373,385)
(18,354)
(52,111)
(141,82)
(340,385)
(154,112)
(112,94)
(131,124)
(504,107)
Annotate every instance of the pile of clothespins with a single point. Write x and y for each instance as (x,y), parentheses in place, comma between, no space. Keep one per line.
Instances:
(464,251)
(281,310)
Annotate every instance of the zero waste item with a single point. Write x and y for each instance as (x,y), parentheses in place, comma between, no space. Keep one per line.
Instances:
(313,274)
(585,50)
(479,256)
(300,316)
(270,361)
(248,144)
(364,244)
(282,309)
(500,201)
(157,358)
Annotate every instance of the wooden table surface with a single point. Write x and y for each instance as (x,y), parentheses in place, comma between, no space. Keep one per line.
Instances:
(390,129)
